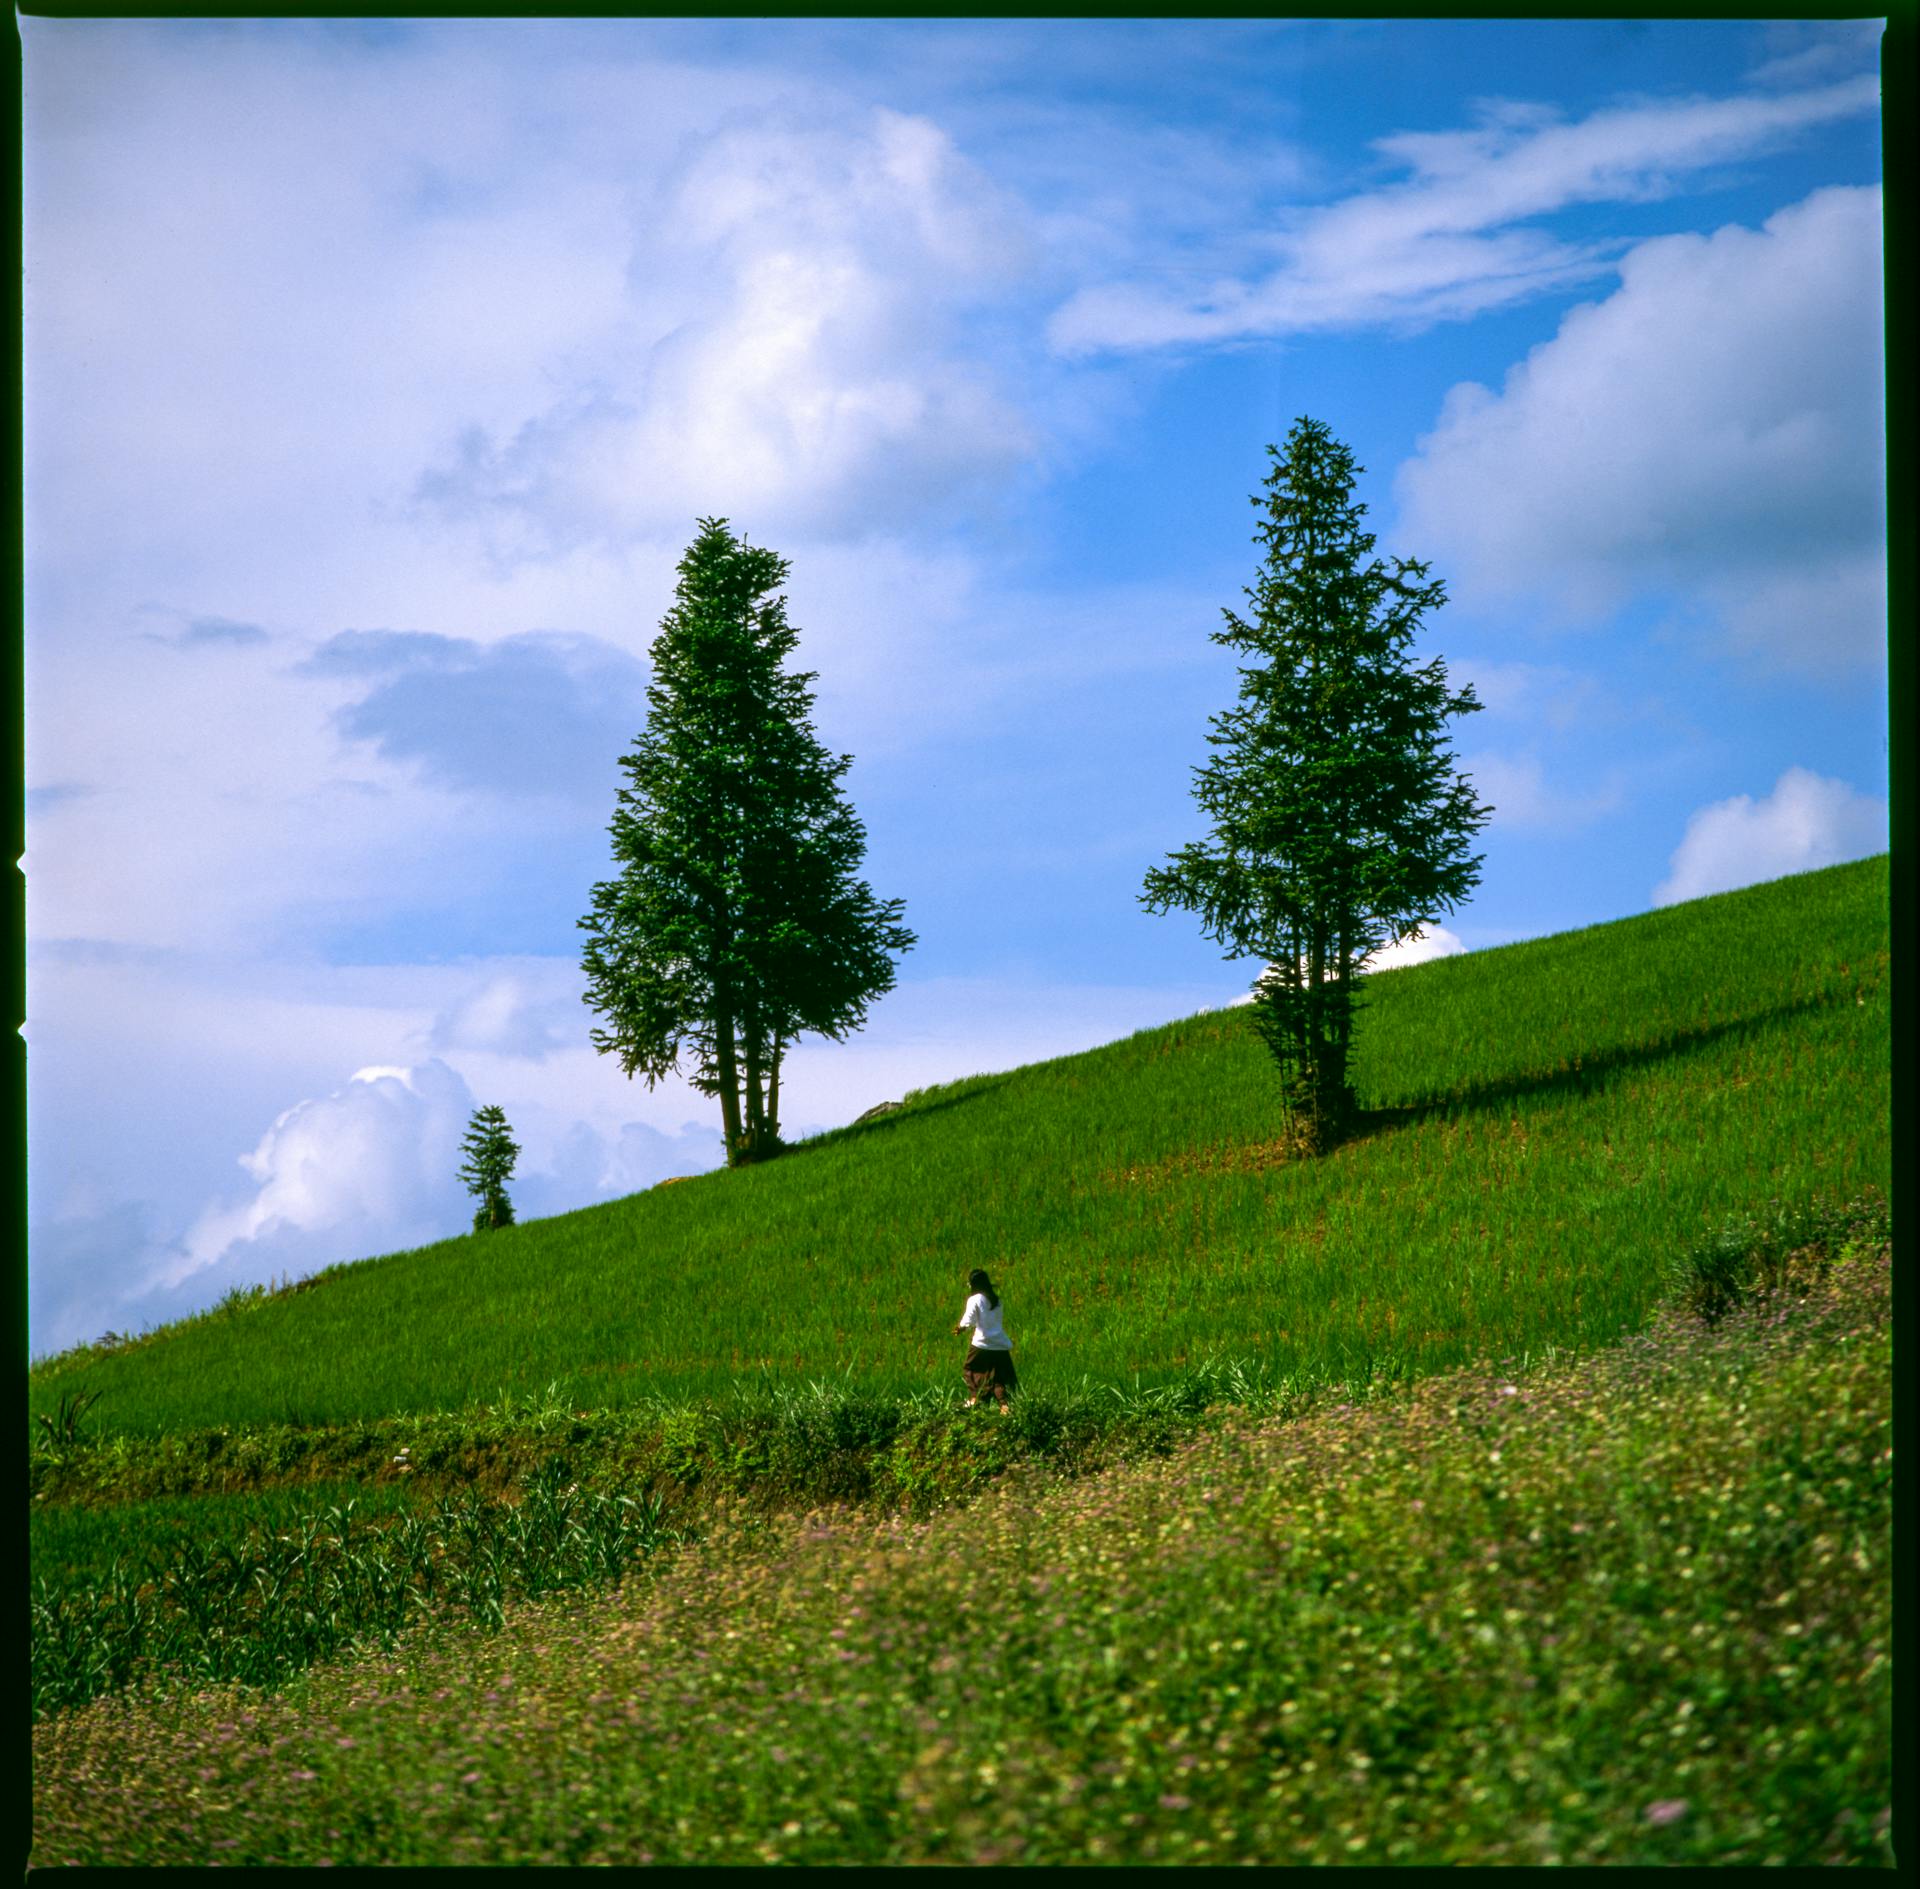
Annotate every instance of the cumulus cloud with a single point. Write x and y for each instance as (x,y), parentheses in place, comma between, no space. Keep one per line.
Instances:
(587,1165)
(149,1071)
(369,1168)
(792,354)
(1444,244)
(1807,821)
(536,713)
(1715,426)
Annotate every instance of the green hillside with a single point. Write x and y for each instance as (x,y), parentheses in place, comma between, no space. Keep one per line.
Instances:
(1550,1123)
(1531,1594)
(1630,1608)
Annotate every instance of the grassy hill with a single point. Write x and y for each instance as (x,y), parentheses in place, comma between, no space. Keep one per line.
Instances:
(341,1575)
(1550,1124)
(1630,1608)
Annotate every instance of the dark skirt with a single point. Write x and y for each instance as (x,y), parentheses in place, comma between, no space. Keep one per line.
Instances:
(995,1366)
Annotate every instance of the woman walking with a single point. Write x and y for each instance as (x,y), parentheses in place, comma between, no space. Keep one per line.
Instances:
(989,1365)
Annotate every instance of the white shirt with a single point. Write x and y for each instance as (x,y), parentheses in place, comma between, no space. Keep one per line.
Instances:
(988,1333)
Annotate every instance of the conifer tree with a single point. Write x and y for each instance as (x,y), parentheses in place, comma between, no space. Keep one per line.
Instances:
(491,1152)
(1338,825)
(736,921)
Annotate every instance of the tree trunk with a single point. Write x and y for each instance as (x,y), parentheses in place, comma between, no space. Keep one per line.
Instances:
(729,1073)
(750,1048)
(1316,1070)
(773,1092)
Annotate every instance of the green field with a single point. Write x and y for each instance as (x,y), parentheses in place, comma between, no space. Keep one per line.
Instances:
(1548,1122)
(77,1542)
(1511,1485)
(1628,1609)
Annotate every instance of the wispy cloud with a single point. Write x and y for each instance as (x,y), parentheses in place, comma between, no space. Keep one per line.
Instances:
(216,632)
(1445,243)
(1521,794)
(1806,50)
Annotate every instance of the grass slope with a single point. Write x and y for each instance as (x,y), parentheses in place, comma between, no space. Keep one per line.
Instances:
(1551,1121)
(1629,1608)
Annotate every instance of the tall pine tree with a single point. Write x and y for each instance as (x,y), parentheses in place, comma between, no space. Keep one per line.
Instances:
(736,922)
(1338,825)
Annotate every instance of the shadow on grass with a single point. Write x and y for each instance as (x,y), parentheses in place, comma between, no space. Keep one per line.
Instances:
(1580,1075)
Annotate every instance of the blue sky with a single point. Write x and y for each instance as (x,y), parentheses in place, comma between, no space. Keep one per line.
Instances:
(377,372)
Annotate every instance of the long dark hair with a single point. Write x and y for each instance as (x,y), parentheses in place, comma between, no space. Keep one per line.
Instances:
(977,1281)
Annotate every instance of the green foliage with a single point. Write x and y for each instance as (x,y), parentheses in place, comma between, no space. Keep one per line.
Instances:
(1338,827)
(60,1427)
(1546,1125)
(265,1606)
(491,1152)
(1786,1248)
(1628,1608)
(736,922)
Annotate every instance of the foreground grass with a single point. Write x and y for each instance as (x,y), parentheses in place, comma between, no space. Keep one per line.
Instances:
(1547,1119)
(261,1580)
(1633,1608)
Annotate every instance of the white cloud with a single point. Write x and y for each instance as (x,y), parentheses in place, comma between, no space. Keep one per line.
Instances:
(1811,49)
(1807,821)
(148,1070)
(792,356)
(1443,246)
(1434,941)
(687,287)
(509,1015)
(220,799)
(585,1165)
(1714,427)
(369,1168)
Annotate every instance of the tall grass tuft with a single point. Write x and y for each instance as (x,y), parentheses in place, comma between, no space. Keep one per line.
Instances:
(261,1609)
(1785,1247)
